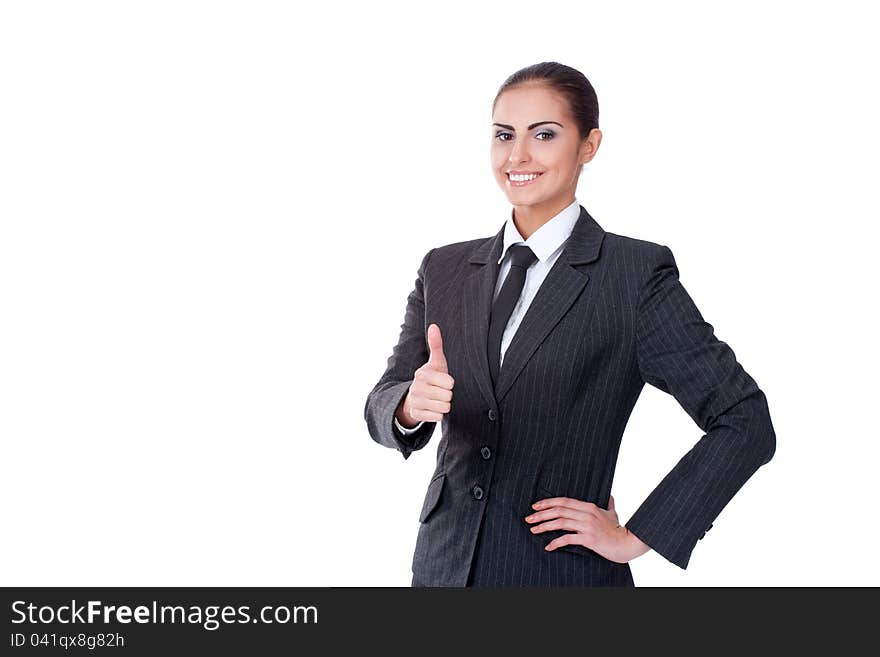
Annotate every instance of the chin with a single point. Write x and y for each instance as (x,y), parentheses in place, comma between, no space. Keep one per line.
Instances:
(525,199)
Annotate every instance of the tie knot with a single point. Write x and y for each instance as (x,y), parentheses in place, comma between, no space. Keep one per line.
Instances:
(522,256)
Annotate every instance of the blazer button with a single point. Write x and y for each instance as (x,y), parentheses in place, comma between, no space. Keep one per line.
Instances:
(478,492)
(492,415)
(486,452)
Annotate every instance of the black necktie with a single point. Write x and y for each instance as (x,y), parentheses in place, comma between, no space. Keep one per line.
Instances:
(521,258)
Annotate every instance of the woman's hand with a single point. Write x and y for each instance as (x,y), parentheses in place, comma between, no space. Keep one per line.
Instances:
(429,396)
(594,527)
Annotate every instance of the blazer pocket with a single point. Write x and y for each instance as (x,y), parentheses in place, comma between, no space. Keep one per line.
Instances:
(432,497)
(545,485)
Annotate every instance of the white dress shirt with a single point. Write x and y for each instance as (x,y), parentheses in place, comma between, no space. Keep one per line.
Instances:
(547,243)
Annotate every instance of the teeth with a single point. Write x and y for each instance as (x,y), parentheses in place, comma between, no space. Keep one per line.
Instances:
(523,177)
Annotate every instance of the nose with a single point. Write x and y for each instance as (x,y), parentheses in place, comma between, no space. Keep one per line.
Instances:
(519,153)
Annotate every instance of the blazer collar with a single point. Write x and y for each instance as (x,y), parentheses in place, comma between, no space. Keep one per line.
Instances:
(563,284)
(581,247)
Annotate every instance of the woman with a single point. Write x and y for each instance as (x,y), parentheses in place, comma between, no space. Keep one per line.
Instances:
(531,347)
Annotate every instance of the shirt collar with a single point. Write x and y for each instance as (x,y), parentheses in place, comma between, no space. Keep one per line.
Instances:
(548,238)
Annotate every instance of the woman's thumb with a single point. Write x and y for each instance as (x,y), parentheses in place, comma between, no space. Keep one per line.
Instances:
(437,360)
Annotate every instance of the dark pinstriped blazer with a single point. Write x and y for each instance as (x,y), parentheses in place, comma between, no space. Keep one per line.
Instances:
(610,316)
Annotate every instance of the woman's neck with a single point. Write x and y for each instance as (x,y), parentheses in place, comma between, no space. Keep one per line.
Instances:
(529,218)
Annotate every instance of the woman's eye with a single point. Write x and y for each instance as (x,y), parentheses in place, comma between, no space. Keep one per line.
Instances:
(543,135)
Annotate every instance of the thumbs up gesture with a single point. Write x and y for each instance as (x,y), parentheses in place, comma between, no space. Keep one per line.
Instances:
(430,394)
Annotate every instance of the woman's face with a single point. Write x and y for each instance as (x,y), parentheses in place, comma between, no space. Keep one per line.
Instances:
(534,132)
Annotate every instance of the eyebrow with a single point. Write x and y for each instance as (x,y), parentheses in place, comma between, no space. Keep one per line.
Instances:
(534,125)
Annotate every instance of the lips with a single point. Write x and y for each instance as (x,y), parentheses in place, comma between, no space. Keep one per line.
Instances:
(527,181)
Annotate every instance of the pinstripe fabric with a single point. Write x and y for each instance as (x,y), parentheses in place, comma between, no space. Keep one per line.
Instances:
(611,316)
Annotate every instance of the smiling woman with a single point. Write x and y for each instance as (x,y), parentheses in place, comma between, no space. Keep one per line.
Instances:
(538,163)
(530,347)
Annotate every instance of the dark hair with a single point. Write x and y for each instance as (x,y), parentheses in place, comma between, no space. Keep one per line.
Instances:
(569,82)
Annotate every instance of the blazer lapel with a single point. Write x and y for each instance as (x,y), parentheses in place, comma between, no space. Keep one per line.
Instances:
(557,293)
(563,284)
(478,293)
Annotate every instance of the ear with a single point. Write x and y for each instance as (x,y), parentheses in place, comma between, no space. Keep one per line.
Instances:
(589,146)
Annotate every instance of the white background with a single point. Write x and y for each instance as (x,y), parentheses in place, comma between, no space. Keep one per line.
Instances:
(211,214)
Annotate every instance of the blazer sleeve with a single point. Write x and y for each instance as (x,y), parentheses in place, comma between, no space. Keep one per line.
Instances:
(410,353)
(679,354)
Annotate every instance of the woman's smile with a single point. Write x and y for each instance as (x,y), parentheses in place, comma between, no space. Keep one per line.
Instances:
(522,179)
